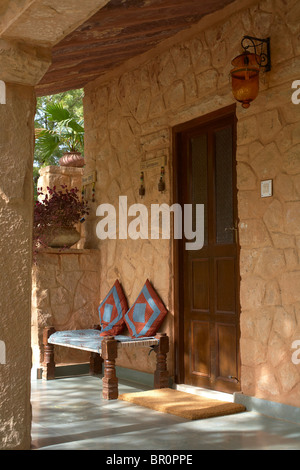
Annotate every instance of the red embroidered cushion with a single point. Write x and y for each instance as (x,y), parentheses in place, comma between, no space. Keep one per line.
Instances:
(147,313)
(112,311)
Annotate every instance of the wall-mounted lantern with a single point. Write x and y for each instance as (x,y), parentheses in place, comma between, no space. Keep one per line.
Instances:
(245,74)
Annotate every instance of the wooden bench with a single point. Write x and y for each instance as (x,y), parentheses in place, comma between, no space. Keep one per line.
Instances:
(104,349)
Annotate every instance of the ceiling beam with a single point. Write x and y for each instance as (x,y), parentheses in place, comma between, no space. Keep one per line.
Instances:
(118,32)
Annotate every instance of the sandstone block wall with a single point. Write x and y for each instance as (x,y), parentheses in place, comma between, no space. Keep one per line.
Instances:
(65,294)
(59,175)
(129,118)
(17,127)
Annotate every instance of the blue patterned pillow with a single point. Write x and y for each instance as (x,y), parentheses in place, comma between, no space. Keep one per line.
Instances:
(112,311)
(147,313)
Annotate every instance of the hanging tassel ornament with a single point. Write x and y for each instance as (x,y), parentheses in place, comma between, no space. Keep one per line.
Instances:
(161,183)
(142,187)
(83,192)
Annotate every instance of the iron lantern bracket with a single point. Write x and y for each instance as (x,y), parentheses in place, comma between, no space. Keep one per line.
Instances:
(264,53)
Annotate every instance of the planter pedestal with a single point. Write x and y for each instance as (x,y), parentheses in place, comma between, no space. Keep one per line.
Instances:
(64,238)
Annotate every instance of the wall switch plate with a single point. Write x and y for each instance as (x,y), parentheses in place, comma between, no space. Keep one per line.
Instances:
(2,92)
(266,188)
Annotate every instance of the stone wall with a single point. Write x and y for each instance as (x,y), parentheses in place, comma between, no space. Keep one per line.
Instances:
(65,290)
(55,175)
(270,269)
(129,118)
(17,127)
(65,294)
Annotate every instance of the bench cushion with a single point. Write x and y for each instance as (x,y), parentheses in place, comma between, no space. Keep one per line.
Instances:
(112,311)
(89,340)
(145,316)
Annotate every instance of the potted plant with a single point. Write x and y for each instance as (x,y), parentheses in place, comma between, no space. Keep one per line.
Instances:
(55,215)
(63,132)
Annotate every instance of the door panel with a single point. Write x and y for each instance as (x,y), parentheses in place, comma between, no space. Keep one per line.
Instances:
(200,348)
(225,287)
(198,149)
(209,288)
(200,284)
(227,363)
(224,186)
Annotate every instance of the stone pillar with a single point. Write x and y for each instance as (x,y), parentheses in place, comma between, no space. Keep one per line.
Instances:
(16,213)
(55,175)
(22,66)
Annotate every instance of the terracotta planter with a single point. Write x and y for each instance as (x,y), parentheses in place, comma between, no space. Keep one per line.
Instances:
(72,159)
(65,237)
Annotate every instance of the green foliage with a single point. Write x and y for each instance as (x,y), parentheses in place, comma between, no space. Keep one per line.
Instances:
(66,134)
(57,116)
(58,209)
(59,128)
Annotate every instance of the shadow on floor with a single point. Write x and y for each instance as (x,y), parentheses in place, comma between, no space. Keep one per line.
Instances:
(70,414)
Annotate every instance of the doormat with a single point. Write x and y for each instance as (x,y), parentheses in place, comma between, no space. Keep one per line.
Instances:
(183,404)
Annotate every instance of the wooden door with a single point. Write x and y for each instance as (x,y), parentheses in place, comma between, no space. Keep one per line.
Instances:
(208,279)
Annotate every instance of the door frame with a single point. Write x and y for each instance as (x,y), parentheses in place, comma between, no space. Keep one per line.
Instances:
(178,246)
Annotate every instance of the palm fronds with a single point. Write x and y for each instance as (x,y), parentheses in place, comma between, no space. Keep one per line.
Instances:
(63,131)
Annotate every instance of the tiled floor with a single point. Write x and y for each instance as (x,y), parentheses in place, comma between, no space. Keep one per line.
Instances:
(69,414)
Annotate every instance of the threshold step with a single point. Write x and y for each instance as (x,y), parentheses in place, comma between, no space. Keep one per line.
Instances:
(204,392)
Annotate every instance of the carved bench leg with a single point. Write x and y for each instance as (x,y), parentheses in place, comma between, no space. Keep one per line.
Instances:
(96,363)
(161,374)
(110,382)
(48,364)
(96,360)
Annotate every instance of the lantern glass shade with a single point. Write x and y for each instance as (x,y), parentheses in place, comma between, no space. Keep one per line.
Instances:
(245,78)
